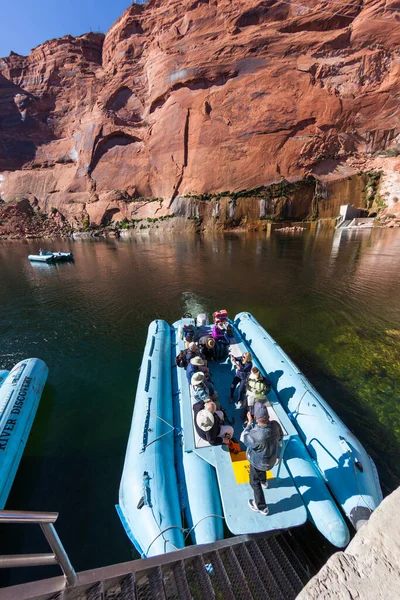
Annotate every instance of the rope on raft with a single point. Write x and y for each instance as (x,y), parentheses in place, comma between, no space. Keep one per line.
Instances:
(182,529)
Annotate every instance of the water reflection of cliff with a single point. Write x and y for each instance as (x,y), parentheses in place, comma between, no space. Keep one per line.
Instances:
(365,264)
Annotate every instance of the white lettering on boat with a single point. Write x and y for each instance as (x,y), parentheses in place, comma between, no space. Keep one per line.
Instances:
(16,410)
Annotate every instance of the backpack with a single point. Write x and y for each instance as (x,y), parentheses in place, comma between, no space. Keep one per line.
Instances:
(181,360)
(188,333)
(234,446)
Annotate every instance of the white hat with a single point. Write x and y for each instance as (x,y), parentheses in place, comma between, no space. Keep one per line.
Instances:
(205,419)
(192,346)
(197,378)
(197,361)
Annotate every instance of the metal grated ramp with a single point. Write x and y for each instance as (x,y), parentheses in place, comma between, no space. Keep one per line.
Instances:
(245,568)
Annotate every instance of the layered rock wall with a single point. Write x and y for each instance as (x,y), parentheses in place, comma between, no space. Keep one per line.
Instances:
(190,97)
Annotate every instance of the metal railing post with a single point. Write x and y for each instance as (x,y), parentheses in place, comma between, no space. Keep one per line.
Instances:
(59,556)
(59,552)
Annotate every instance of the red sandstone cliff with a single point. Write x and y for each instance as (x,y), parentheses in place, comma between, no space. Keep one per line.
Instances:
(197,96)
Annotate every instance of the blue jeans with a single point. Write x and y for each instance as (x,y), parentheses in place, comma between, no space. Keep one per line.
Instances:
(242,388)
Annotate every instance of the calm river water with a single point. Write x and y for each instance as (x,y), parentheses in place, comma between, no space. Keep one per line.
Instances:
(331,300)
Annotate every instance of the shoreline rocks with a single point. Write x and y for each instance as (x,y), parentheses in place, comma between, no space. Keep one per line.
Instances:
(369,568)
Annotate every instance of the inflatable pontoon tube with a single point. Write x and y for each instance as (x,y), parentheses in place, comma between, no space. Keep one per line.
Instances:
(19,398)
(149,505)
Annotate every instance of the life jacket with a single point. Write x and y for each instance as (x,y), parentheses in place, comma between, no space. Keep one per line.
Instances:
(257,387)
(181,360)
(220,316)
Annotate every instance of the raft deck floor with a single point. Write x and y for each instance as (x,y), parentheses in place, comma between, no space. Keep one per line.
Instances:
(286,508)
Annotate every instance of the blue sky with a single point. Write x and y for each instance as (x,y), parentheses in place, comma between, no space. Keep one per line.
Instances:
(25,24)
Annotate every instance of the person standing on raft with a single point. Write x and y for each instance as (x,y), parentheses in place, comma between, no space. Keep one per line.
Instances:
(262,441)
(243,368)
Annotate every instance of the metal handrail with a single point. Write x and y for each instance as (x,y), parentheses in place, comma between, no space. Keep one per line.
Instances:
(59,556)
(87,579)
(24,516)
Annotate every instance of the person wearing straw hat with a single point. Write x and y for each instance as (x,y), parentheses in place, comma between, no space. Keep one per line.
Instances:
(207,347)
(209,423)
(202,389)
(196,364)
(262,441)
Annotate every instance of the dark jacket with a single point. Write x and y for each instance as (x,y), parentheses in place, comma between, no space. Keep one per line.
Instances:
(190,354)
(262,443)
(203,339)
(190,370)
(243,370)
(206,352)
(211,435)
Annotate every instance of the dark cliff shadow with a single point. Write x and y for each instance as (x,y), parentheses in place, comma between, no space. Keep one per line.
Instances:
(20,133)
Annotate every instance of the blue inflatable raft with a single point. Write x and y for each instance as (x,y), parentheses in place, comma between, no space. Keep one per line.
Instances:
(20,392)
(172,478)
(51,257)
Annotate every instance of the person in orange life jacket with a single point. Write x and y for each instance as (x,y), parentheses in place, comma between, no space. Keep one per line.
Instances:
(262,441)
(202,389)
(243,368)
(209,423)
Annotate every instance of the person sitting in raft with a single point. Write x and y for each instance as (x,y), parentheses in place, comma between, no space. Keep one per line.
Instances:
(262,441)
(192,351)
(218,333)
(202,389)
(257,388)
(209,423)
(243,368)
(207,347)
(228,331)
(195,365)
(188,334)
